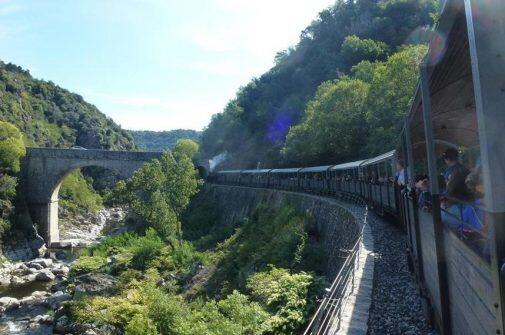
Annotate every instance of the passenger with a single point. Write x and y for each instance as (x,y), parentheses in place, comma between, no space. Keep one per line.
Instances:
(400,173)
(452,213)
(422,185)
(473,215)
(451,159)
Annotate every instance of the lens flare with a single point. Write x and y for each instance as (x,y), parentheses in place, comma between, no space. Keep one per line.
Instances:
(279,127)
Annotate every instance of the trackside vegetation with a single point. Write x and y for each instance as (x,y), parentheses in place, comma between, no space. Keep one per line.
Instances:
(258,276)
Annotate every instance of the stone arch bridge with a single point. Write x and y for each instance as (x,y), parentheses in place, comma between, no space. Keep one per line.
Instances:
(45,168)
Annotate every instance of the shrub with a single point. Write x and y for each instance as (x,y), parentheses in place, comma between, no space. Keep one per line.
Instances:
(145,249)
(86,264)
(286,296)
(140,325)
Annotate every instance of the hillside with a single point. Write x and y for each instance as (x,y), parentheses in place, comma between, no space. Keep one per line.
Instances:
(50,116)
(254,125)
(162,140)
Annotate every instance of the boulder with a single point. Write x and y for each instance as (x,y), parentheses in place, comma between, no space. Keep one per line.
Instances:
(44,275)
(35,266)
(43,319)
(63,270)
(5,280)
(44,262)
(9,303)
(15,280)
(94,284)
(62,325)
(57,299)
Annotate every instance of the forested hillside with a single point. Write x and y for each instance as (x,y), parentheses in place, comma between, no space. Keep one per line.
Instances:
(162,140)
(372,33)
(50,116)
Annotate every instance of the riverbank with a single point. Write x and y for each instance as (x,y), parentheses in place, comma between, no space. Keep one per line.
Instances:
(33,290)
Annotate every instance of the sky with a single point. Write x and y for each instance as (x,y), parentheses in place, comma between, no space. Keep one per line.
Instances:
(152,64)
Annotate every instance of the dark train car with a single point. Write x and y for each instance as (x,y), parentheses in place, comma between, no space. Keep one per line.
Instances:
(285,179)
(315,178)
(255,178)
(347,178)
(379,176)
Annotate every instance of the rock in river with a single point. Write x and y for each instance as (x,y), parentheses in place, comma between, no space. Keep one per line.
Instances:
(45,275)
(9,303)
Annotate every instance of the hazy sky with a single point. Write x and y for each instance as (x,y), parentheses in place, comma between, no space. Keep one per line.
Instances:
(152,64)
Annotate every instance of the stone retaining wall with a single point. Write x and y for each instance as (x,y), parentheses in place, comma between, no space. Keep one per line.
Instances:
(337,227)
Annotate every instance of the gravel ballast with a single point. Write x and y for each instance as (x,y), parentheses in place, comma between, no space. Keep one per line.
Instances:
(396,304)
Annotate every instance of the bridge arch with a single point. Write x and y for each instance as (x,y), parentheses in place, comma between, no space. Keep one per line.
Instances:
(44,170)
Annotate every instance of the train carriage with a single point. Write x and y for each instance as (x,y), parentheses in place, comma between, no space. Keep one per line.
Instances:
(315,178)
(286,179)
(380,171)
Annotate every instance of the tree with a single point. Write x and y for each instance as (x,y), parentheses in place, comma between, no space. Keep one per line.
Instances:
(334,128)
(12,147)
(159,192)
(390,95)
(186,147)
(355,50)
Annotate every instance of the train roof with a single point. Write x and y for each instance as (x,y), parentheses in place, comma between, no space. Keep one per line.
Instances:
(380,158)
(316,168)
(288,170)
(229,171)
(256,171)
(348,165)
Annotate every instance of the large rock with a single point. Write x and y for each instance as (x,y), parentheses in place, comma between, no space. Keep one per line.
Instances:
(94,284)
(45,275)
(63,270)
(9,303)
(44,262)
(57,299)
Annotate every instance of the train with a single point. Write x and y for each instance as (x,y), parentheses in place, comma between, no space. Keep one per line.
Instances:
(458,106)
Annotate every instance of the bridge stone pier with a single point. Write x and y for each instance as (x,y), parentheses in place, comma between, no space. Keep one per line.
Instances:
(44,170)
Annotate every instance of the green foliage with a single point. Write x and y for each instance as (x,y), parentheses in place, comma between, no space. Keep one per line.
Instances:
(273,236)
(254,125)
(140,325)
(186,147)
(352,118)
(334,127)
(287,296)
(12,147)
(50,116)
(145,250)
(159,192)
(76,193)
(162,140)
(144,308)
(355,50)
(86,264)
(8,186)
(390,95)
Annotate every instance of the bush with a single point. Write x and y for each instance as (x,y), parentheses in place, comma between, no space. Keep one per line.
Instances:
(12,147)
(86,264)
(140,325)
(287,296)
(145,249)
